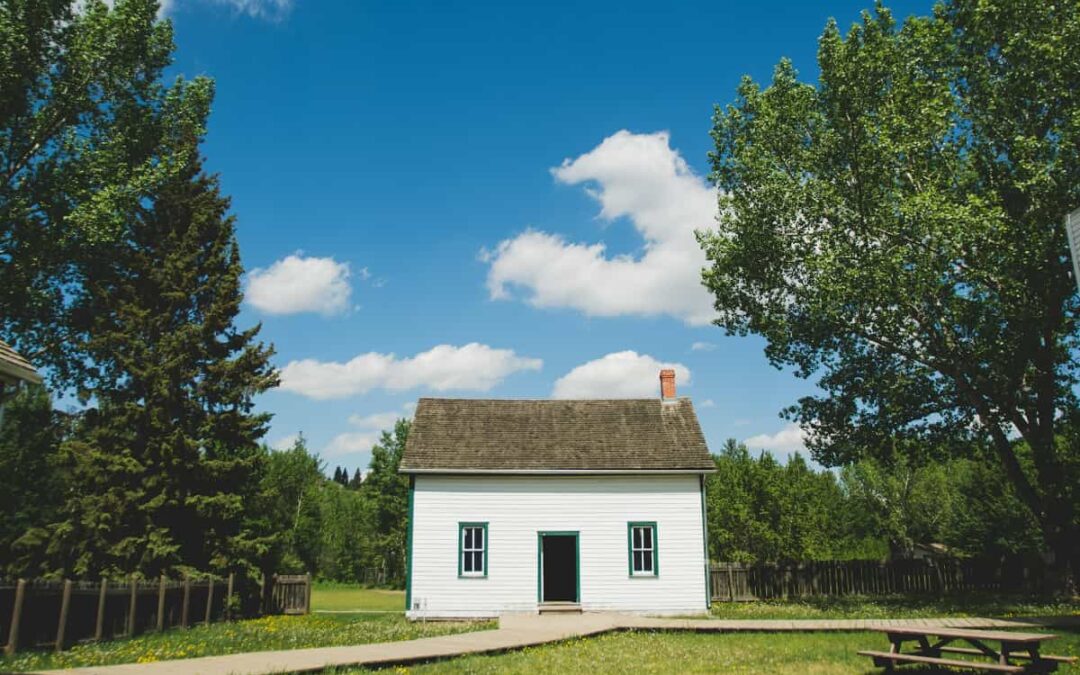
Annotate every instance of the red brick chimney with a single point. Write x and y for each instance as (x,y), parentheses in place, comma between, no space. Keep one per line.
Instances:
(667,384)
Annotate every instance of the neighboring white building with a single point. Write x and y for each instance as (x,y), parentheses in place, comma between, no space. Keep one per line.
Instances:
(15,373)
(525,506)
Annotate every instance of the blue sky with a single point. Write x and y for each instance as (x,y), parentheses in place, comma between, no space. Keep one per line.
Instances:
(486,199)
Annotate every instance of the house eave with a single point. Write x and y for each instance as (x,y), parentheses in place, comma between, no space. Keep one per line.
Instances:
(557,472)
(18,372)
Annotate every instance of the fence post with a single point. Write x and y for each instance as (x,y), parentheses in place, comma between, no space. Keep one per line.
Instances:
(228,598)
(99,626)
(61,624)
(161,603)
(16,616)
(307,598)
(187,600)
(131,607)
(730,582)
(209,599)
(263,604)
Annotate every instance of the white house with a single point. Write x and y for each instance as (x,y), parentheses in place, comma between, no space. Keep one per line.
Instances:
(525,506)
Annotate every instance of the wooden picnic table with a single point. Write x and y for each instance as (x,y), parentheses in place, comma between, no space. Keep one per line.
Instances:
(1011,648)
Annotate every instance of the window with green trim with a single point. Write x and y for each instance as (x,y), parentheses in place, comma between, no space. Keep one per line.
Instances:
(472,549)
(642,549)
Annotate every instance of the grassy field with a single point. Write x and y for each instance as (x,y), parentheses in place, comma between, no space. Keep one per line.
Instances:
(273,632)
(346,597)
(896,607)
(373,615)
(638,652)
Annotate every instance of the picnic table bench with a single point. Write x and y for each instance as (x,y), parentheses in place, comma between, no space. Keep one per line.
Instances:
(1012,647)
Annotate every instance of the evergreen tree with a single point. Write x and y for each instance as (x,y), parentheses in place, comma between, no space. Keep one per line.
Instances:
(357,479)
(169,459)
(31,486)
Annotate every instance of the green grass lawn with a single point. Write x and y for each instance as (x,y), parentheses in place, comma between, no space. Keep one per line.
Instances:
(272,632)
(338,597)
(896,607)
(641,652)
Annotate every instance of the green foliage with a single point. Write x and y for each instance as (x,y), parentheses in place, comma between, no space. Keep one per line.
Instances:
(291,488)
(335,531)
(900,502)
(759,510)
(30,477)
(388,492)
(87,132)
(166,465)
(897,230)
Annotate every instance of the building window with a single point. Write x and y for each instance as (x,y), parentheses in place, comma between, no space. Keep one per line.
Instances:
(642,550)
(472,549)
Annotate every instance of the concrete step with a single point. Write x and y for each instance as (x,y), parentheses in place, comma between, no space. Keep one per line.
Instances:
(560,608)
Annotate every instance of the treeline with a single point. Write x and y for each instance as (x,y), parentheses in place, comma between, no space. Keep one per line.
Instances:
(283,515)
(343,529)
(760,510)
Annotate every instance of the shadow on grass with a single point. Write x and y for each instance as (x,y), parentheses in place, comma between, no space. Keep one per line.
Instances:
(899,607)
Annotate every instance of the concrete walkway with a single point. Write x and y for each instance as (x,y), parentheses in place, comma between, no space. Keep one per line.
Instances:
(514,632)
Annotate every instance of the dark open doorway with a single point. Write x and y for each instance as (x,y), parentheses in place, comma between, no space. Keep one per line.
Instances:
(558,567)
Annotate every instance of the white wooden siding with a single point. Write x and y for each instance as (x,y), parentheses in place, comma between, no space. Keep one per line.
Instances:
(516,508)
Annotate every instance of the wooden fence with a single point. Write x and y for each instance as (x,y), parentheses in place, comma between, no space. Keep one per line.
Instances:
(45,613)
(733,582)
(290,594)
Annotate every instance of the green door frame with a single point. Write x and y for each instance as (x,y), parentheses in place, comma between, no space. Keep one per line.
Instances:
(540,561)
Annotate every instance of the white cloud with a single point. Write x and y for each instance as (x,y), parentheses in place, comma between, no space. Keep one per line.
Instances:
(618,375)
(707,403)
(376,421)
(472,367)
(370,430)
(296,284)
(260,9)
(349,443)
(702,347)
(285,442)
(788,440)
(641,177)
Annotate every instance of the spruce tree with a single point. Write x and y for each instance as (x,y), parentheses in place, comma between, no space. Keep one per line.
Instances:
(169,462)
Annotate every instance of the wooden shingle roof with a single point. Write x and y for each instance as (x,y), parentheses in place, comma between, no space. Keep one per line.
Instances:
(14,365)
(550,436)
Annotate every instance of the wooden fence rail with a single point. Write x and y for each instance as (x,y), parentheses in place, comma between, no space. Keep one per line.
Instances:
(37,613)
(734,582)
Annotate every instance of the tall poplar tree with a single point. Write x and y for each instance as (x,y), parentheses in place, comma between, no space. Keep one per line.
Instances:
(898,230)
(168,463)
(88,130)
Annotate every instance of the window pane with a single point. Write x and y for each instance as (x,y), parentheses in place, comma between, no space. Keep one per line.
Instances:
(637,537)
(468,536)
(646,537)
(478,537)
(646,565)
(478,561)
(467,563)
(637,561)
